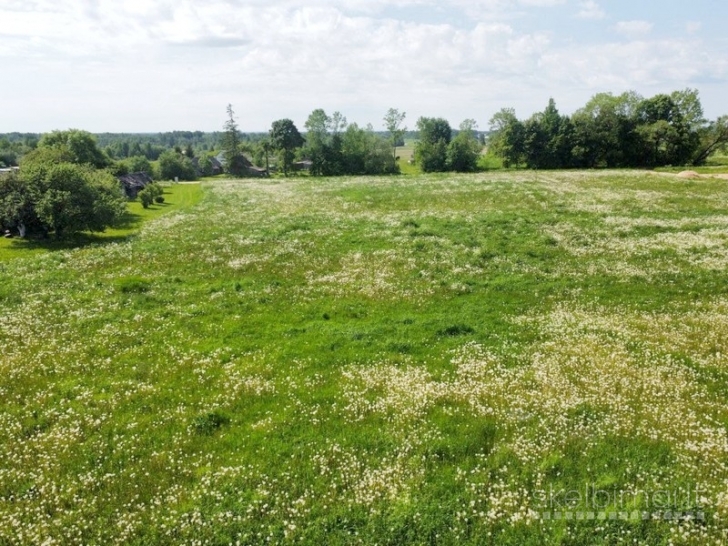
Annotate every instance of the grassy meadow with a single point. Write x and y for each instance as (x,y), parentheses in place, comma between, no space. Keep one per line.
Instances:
(504,358)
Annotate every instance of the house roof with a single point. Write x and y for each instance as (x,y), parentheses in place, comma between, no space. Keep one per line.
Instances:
(133,182)
(221,158)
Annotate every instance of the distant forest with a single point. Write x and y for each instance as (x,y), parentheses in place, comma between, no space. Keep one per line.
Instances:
(124,145)
(610,131)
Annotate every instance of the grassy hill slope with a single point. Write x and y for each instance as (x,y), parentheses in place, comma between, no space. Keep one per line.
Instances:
(440,359)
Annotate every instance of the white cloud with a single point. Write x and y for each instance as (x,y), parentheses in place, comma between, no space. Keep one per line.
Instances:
(133,65)
(644,66)
(590,10)
(633,28)
(542,3)
(693,26)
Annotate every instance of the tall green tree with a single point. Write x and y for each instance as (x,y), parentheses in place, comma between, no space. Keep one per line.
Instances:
(81,147)
(664,129)
(535,142)
(549,139)
(603,131)
(317,142)
(17,206)
(464,150)
(173,165)
(189,151)
(393,120)
(507,137)
(712,137)
(317,126)
(266,148)
(338,123)
(435,135)
(204,164)
(139,164)
(364,152)
(232,146)
(690,108)
(324,143)
(286,139)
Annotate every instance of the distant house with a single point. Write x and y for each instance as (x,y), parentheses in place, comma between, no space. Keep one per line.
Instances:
(250,169)
(9,170)
(304,165)
(133,183)
(217,167)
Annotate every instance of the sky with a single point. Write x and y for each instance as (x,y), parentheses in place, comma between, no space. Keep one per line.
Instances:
(162,65)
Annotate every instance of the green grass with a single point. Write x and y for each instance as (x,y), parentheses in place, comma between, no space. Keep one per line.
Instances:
(405,154)
(489,162)
(703,169)
(718,160)
(434,359)
(716,164)
(177,197)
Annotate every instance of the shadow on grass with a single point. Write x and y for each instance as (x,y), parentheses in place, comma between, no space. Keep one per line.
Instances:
(130,220)
(77,240)
(129,223)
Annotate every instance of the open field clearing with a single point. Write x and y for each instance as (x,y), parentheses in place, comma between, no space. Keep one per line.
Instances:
(507,358)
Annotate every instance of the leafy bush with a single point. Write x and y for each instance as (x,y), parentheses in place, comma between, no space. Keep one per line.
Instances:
(173,165)
(81,146)
(156,190)
(431,150)
(463,153)
(61,198)
(138,164)
(146,197)
(152,193)
(118,168)
(204,164)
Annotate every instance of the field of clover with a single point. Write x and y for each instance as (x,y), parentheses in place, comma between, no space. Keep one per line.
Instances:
(499,358)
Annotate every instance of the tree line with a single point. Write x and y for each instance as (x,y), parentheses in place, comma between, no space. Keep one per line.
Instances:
(610,131)
(613,131)
(331,146)
(68,181)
